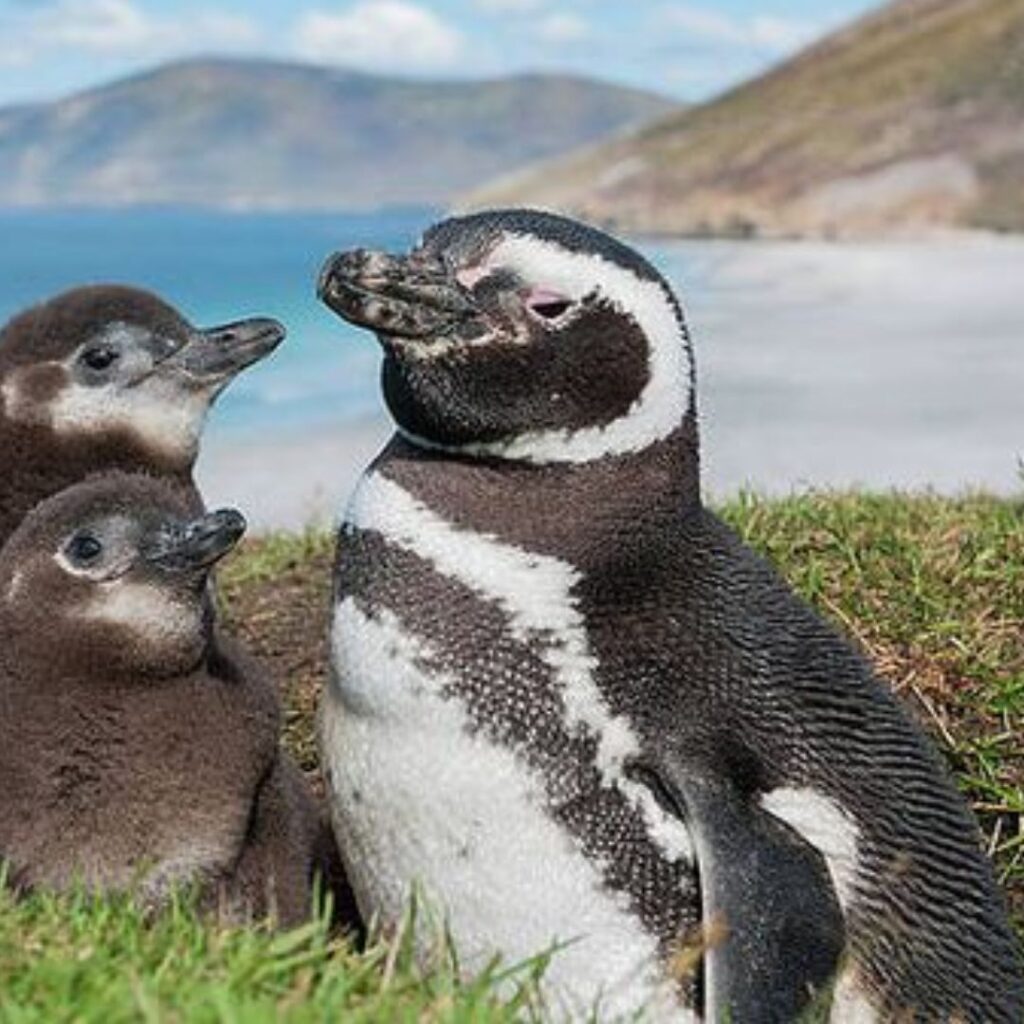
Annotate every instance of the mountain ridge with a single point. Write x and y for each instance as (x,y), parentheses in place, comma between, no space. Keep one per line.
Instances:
(910,118)
(273,135)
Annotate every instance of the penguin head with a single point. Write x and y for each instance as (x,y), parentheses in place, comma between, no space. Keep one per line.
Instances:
(110,362)
(110,576)
(521,335)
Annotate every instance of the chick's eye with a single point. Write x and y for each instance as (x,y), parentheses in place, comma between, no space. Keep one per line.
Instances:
(99,357)
(83,549)
(547,304)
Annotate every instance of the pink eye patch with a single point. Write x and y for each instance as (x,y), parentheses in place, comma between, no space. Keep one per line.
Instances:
(546,302)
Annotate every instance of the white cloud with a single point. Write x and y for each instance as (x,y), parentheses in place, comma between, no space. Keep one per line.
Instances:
(13,57)
(704,24)
(704,74)
(98,25)
(509,6)
(784,33)
(562,28)
(121,27)
(379,34)
(761,32)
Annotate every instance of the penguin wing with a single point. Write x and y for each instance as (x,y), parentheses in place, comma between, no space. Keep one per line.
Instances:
(773,925)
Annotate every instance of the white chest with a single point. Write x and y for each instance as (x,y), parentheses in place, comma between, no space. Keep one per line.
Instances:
(421,800)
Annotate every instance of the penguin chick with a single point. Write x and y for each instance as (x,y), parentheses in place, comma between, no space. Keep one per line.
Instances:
(136,753)
(109,377)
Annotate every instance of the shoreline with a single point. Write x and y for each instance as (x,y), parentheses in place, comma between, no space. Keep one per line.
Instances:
(923,234)
(304,478)
(292,482)
(820,366)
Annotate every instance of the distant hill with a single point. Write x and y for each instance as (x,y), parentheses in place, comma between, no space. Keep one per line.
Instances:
(910,118)
(255,134)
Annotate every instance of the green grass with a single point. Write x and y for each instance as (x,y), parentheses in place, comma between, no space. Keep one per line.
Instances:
(82,960)
(932,588)
(274,553)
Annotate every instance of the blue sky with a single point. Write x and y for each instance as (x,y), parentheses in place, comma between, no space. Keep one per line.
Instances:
(688,48)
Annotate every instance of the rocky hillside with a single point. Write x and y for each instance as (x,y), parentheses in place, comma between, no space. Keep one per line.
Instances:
(253,134)
(912,117)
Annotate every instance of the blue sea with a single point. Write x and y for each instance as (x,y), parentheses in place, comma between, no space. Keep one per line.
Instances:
(217,268)
(887,364)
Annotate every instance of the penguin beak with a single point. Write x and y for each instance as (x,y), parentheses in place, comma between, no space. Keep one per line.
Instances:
(414,297)
(217,354)
(195,545)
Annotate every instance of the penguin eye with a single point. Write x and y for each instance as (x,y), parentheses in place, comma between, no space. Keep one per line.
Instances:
(548,304)
(100,357)
(83,549)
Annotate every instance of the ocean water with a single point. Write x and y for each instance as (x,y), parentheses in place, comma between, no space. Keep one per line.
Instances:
(217,268)
(894,364)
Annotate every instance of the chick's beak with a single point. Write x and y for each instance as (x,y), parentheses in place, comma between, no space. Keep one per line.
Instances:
(194,545)
(220,353)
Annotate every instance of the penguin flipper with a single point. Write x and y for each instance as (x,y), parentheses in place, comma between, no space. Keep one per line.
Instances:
(773,925)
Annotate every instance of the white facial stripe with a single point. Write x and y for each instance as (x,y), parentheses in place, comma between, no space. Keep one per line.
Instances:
(165,414)
(421,799)
(827,827)
(168,418)
(118,555)
(660,408)
(471,276)
(11,400)
(536,592)
(148,611)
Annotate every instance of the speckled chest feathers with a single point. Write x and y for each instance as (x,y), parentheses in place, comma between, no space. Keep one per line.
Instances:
(474,684)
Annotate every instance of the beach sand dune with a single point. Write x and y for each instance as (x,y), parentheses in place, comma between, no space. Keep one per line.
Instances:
(300,479)
(874,365)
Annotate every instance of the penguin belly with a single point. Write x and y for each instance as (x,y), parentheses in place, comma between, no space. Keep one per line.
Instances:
(426,805)
(448,779)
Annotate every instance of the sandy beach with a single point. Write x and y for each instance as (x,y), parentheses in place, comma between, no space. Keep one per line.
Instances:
(875,365)
(301,480)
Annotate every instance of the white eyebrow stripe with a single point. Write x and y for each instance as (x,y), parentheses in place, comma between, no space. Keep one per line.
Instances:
(660,408)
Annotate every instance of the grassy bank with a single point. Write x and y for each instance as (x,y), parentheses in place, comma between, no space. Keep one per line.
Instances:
(933,589)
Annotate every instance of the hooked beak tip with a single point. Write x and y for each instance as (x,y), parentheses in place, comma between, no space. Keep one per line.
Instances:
(229,524)
(197,545)
(217,354)
(324,282)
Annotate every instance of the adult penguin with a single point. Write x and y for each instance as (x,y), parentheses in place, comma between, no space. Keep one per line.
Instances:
(572,705)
